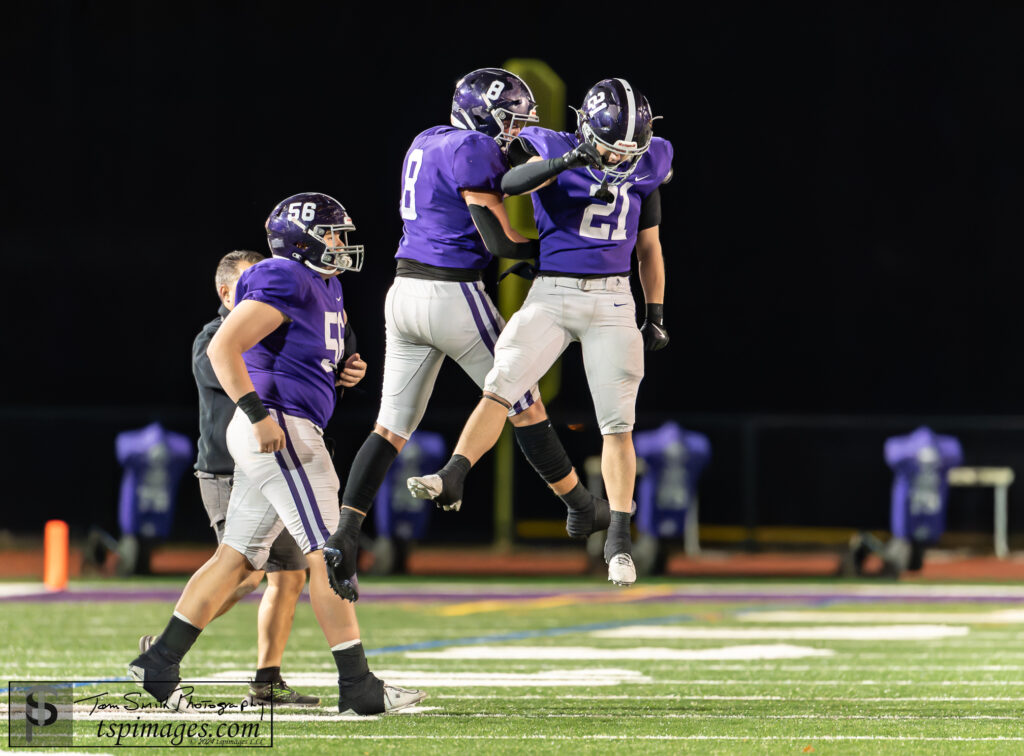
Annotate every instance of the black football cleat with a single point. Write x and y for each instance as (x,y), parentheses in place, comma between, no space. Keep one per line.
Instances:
(159,679)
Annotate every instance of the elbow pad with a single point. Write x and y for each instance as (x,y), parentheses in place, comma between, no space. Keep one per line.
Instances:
(495,239)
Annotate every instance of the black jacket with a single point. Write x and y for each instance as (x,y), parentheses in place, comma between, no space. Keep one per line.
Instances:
(215,408)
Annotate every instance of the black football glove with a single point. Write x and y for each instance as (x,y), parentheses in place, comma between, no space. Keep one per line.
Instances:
(582,154)
(653,329)
(340,553)
(524,269)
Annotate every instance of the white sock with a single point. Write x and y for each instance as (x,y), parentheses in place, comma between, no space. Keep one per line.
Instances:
(185,619)
(344,645)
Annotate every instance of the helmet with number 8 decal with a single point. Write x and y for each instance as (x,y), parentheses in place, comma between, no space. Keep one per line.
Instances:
(618,118)
(298,228)
(493,101)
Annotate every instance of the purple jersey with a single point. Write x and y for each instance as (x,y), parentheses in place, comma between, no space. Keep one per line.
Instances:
(578,234)
(292,369)
(438,228)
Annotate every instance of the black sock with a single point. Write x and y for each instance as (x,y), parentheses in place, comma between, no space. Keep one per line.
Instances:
(358,688)
(587,513)
(268,675)
(369,469)
(618,540)
(453,478)
(456,469)
(351,663)
(175,641)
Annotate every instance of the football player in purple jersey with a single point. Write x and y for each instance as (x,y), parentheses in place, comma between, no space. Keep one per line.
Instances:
(437,306)
(279,355)
(595,198)
(286,564)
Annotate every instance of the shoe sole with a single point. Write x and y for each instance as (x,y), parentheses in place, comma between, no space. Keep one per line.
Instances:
(421,489)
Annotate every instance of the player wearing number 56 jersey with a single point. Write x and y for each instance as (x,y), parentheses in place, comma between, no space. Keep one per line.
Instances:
(595,198)
(437,306)
(278,356)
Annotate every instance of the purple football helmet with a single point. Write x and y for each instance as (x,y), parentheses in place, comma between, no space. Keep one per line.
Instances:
(297,226)
(493,101)
(617,117)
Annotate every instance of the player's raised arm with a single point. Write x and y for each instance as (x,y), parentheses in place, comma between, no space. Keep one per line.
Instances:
(651,270)
(537,172)
(243,328)
(491,220)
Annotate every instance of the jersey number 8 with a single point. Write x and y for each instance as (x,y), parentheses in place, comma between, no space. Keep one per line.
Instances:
(409,176)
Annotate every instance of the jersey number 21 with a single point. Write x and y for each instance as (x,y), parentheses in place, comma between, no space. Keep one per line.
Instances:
(599,210)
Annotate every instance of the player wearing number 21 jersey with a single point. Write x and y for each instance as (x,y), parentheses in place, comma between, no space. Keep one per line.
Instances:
(595,199)
(437,306)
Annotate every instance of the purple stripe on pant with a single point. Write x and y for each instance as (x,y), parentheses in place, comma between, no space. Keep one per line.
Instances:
(467,292)
(309,488)
(292,459)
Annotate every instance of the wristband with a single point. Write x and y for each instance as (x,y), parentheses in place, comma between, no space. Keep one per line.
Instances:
(656,313)
(253,407)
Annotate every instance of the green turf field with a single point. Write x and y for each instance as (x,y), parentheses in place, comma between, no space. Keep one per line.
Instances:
(539,667)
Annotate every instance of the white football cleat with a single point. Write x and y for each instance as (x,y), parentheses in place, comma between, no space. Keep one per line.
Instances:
(621,570)
(431,487)
(395,698)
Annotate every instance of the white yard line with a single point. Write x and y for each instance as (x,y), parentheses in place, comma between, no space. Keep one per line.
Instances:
(636,653)
(997,616)
(875,683)
(838,632)
(445,679)
(325,714)
(746,738)
(802,699)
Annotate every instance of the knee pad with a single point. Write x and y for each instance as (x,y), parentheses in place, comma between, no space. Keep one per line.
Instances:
(542,449)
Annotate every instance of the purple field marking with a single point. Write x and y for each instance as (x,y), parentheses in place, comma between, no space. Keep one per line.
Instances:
(809,598)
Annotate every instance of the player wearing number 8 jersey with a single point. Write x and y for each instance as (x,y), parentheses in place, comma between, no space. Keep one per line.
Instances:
(437,306)
(595,197)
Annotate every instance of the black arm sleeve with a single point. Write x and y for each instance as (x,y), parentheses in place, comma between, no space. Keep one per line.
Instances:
(526,177)
(519,151)
(351,347)
(650,210)
(495,239)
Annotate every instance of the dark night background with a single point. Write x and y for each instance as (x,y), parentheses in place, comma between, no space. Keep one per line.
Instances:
(842,235)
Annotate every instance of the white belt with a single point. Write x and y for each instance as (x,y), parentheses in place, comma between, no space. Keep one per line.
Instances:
(611,283)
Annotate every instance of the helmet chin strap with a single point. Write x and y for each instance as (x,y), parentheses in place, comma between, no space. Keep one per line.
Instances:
(323,271)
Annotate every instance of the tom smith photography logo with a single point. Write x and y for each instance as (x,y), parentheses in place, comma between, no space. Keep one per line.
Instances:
(87,713)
